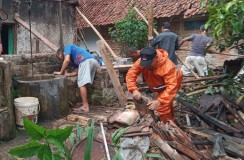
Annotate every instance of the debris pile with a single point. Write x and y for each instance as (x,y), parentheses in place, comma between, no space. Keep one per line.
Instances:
(209,124)
(209,129)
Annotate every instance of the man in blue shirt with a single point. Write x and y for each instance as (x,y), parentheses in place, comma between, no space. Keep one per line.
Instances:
(85,67)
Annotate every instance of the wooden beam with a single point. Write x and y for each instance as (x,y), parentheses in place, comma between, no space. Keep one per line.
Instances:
(37,34)
(226,54)
(150,22)
(113,76)
(98,34)
(37,46)
(144,19)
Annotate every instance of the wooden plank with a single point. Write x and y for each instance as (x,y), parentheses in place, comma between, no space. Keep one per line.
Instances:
(98,34)
(37,34)
(114,78)
(190,152)
(165,147)
(231,145)
(77,119)
(121,67)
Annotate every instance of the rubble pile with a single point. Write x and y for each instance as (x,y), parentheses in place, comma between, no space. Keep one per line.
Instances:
(211,128)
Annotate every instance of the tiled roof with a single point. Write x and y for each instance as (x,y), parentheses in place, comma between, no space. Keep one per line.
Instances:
(103,12)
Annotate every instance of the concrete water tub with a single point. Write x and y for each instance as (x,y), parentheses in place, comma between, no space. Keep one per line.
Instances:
(51,92)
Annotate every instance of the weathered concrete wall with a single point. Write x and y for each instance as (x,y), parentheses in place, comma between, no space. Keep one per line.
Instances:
(101,92)
(43,63)
(44,19)
(8,7)
(51,92)
(7,120)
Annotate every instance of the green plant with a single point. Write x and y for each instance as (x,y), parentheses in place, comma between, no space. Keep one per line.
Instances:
(212,90)
(117,134)
(226,19)
(233,87)
(75,140)
(45,144)
(130,31)
(90,135)
(152,155)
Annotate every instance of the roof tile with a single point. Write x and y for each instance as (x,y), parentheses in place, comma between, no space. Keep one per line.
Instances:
(103,12)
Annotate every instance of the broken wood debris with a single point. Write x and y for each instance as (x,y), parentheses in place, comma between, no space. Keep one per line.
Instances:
(81,120)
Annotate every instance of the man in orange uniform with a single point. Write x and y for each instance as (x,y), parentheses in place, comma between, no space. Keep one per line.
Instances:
(162,77)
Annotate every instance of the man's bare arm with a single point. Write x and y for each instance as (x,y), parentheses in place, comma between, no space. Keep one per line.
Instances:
(72,74)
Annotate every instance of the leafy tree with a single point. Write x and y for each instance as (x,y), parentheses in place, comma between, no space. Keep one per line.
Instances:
(130,31)
(226,18)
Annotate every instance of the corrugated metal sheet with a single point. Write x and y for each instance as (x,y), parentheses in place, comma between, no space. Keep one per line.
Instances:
(103,12)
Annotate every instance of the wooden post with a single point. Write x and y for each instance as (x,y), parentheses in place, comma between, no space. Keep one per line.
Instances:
(150,22)
(144,19)
(115,80)
(98,34)
(37,46)
(195,75)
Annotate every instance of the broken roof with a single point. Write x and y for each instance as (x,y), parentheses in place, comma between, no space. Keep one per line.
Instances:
(104,12)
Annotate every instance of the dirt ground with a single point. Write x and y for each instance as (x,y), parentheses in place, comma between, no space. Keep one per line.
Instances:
(20,139)
(99,113)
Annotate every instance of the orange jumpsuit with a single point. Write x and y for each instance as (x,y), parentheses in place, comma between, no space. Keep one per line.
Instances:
(164,72)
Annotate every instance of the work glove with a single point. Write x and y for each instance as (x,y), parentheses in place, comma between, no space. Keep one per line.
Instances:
(137,95)
(152,105)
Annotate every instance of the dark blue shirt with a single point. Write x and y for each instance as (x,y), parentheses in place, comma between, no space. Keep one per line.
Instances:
(167,41)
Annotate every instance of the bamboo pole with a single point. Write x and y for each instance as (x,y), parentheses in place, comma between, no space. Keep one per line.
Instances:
(98,34)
